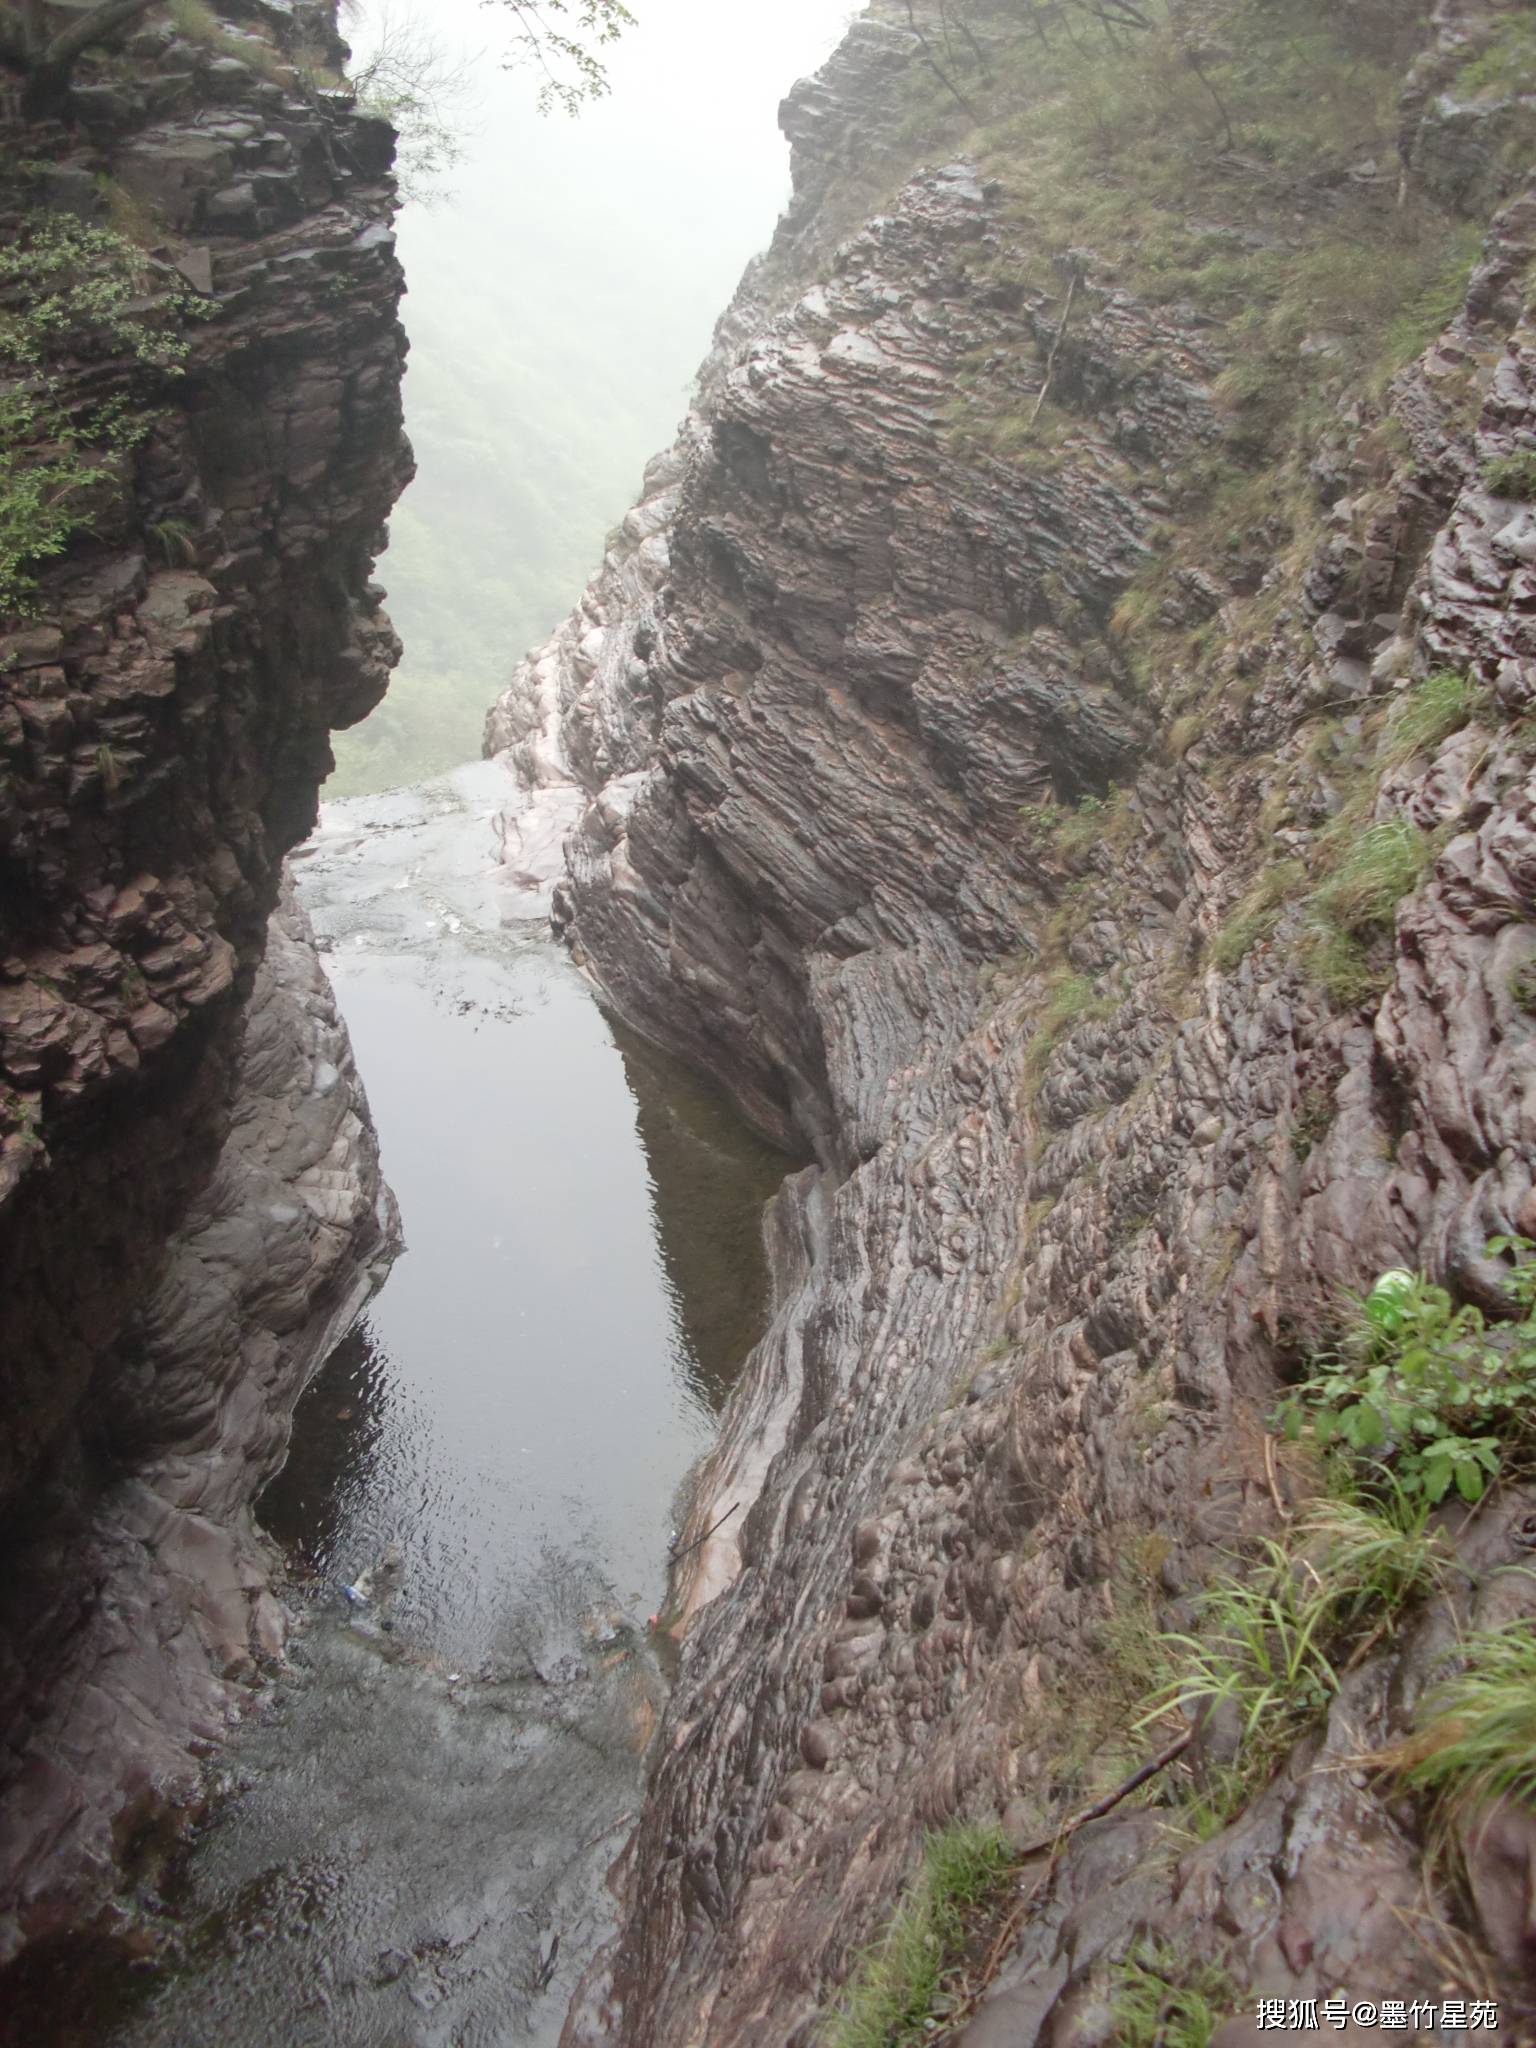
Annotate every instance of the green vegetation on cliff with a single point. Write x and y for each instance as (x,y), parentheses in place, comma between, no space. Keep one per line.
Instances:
(1419,1399)
(71,292)
(1161,1999)
(1426,1386)
(1476,1739)
(1240,165)
(903,1985)
(1274,1638)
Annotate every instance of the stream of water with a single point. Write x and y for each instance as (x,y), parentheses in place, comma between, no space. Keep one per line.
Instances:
(412,1844)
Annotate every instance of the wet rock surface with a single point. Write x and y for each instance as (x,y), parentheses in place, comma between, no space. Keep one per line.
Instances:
(139,1605)
(166,718)
(1057,1252)
(406,1837)
(190,1206)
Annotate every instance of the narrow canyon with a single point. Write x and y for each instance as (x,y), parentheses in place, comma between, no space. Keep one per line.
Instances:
(1019,871)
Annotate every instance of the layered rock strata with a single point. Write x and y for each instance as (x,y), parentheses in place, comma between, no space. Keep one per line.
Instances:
(190,1205)
(139,1604)
(1087,1177)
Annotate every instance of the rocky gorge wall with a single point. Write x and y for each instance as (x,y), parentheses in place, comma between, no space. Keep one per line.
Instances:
(961,771)
(190,1203)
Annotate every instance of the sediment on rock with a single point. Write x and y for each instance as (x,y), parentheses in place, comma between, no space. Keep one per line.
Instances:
(938,774)
(189,1194)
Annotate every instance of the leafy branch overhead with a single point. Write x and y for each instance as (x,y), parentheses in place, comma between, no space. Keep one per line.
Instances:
(406,74)
(562,38)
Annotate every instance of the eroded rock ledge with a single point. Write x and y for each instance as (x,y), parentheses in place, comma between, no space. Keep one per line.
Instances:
(139,1601)
(190,1205)
(1082,1194)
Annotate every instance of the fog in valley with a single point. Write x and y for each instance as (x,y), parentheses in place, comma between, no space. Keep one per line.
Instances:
(562,288)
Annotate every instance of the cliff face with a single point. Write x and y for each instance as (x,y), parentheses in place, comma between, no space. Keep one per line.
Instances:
(190,1206)
(964,772)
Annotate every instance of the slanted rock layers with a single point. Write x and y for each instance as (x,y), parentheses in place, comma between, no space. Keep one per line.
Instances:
(190,1204)
(140,1598)
(886,829)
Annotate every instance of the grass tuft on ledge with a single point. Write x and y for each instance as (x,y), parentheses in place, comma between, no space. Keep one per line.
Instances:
(1160,2000)
(900,1982)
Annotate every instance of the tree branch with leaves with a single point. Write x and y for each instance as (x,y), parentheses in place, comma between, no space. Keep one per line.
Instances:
(561,38)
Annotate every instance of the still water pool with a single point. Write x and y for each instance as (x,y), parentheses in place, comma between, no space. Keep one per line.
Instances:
(418,1820)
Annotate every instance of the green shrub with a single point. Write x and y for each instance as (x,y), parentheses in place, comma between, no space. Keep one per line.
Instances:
(898,1987)
(1424,1389)
(68,288)
(44,483)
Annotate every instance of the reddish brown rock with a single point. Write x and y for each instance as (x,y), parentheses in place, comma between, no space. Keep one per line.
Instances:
(164,730)
(1036,1294)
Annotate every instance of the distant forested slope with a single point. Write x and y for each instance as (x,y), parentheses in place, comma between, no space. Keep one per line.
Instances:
(560,297)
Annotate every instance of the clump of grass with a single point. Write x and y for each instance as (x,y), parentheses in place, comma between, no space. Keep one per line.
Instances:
(1512,476)
(1137,608)
(1257,913)
(176,540)
(1075,829)
(1476,1740)
(1081,825)
(1314,1114)
(1507,62)
(1426,714)
(199,24)
(1161,2000)
(1378,870)
(1356,905)
(1089,1730)
(1433,301)
(899,1985)
(128,215)
(1338,963)
(1273,1641)
(1072,998)
(1182,735)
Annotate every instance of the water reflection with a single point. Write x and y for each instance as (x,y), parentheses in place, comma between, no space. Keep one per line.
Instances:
(310,1504)
(710,1179)
(430,1799)
(583,1268)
